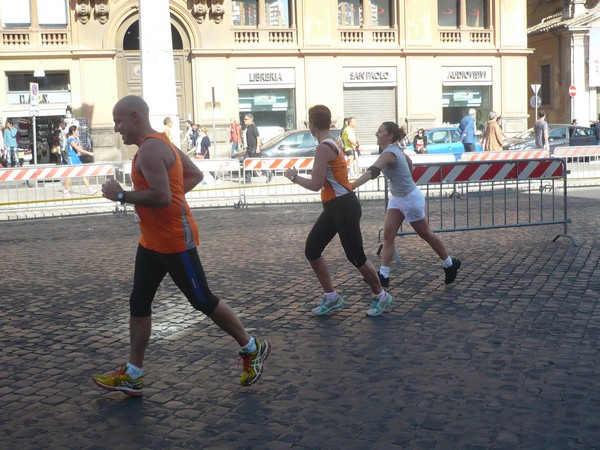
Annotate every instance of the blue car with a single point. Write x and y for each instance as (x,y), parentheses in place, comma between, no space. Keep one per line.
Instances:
(442,140)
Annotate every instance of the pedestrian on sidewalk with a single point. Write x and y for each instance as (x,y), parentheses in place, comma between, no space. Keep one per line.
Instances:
(161,176)
(341,215)
(74,149)
(407,202)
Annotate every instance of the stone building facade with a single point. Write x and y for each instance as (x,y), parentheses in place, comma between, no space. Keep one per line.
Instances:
(565,37)
(421,63)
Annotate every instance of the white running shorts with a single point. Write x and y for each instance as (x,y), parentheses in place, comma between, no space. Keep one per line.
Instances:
(412,206)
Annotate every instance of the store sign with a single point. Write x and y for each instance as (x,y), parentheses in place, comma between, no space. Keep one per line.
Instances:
(466,75)
(23,98)
(270,77)
(369,76)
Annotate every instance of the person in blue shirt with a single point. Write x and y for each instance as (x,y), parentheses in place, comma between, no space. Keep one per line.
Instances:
(466,128)
(10,142)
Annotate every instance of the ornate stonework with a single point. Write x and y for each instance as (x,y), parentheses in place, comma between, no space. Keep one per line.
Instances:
(83,11)
(217,11)
(101,11)
(200,10)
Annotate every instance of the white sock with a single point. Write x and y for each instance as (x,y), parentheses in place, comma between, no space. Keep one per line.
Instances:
(448,262)
(133,371)
(381,295)
(250,346)
(331,296)
(385,271)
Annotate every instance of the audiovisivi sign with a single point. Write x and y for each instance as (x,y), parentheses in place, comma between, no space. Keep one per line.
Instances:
(466,76)
(369,76)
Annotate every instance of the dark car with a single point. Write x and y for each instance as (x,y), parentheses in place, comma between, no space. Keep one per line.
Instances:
(442,140)
(559,135)
(293,143)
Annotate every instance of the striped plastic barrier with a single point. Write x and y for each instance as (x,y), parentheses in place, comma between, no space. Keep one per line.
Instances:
(488,171)
(576,152)
(504,155)
(278,163)
(56,172)
(217,165)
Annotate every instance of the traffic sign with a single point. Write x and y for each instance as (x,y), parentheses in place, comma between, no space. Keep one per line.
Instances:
(536,88)
(535,101)
(34,90)
(572,91)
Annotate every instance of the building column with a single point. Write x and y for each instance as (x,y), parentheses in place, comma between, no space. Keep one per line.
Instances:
(463,14)
(158,67)
(262,14)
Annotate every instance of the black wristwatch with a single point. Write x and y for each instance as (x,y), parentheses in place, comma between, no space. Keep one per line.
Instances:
(121,197)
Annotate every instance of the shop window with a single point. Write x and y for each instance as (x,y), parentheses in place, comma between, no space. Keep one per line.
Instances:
(545,81)
(52,81)
(15,13)
(350,13)
(52,12)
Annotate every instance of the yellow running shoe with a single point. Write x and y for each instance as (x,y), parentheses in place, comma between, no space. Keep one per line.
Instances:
(253,362)
(121,381)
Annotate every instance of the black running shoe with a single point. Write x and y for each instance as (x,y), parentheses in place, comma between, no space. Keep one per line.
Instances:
(452,271)
(385,281)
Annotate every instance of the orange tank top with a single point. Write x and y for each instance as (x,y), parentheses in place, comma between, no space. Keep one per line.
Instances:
(336,177)
(168,229)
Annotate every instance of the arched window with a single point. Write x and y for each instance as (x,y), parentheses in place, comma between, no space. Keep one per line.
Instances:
(131,41)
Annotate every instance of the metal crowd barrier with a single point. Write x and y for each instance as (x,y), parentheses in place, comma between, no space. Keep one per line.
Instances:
(461,195)
(496,194)
(42,186)
(583,163)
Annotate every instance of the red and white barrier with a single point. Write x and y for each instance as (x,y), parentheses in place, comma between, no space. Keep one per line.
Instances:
(278,163)
(576,152)
(504,155)
(56,172)
(488,171)
(217,165)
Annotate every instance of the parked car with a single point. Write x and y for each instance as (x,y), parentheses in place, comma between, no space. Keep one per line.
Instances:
(292,143)
(559,135)
(442,140)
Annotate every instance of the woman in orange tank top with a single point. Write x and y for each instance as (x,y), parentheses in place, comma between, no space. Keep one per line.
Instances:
(341,215)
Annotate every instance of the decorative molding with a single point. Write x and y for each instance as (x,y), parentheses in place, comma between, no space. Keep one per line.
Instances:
(101,11)
(217,11)
(83,11)
(199,10)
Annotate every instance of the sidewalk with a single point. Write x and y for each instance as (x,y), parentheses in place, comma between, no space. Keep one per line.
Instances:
(505,358)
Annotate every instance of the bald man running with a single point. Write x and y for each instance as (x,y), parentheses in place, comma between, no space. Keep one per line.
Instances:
(161,176)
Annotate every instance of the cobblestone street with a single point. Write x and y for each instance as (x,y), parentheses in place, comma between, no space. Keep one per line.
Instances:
(507,357)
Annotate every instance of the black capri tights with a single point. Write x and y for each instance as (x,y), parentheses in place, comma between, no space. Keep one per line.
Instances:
(340,216)
(184,269)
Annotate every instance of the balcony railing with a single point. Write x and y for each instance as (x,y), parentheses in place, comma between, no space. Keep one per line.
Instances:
(276,36)
(479,37)
(374,36)
(34,38)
